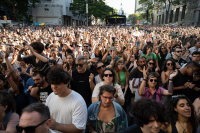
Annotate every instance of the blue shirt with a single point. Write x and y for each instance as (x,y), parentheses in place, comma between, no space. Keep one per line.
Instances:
(30,82)
(93,111)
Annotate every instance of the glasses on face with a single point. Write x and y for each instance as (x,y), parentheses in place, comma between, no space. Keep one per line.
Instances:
(106,75)
(85,46)
(178,51)
(81,65)
(98,68)
(151,63)
(162,48)
(11,45)
(196,72)
(170,64)
(151,80)
(29,129)
(109,98)
(177,96)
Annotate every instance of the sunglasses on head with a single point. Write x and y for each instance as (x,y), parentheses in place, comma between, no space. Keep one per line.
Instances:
(29,129)
(151,80)
(100,67)
(106,75)
(81,65)
(177,96)
(170,64)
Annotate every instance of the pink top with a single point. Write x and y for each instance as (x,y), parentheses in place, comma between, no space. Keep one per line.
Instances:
(148,94)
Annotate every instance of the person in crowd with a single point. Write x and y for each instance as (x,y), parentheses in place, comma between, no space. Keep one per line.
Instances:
(41,88)
(83,80)
(99,52)
(168,67)
(35,118)
(8,118)
(67,107)
(196,47)
(86,48)
(99,69)
(54,56)
(70,63)
(186,55)
(122,76)
(37,60)
(183,81)
(110,114)
(52,63)
(137,51)
(150,86)
(183,118)
(109,77)
(171,54)
(177,58)
(151,65)
(150,55)
(131,62)
(163,53)
(149,116)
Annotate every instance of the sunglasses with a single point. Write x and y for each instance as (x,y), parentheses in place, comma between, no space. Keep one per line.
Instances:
(151,80)
(109,98)
(85,46)
(81,65)
(194,71)
(29,129)
(106,75)
(98,68)
(11,45)
(162,48)
(177,96)
(170,64)
(16,49)
(151,63)
(178,51)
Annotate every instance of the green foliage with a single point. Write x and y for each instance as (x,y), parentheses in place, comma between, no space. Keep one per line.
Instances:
(96,8)
(19,8)
(131,16)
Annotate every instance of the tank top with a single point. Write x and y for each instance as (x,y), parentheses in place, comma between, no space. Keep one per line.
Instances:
(174,129)
(122,78)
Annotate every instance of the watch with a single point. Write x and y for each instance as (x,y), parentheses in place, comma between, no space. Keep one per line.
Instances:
(116,96)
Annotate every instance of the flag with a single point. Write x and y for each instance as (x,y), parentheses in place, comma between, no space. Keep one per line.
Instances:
(5,18)
(36,23)
(41,24)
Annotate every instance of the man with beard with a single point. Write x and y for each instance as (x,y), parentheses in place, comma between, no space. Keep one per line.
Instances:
(41,89)
(136,76)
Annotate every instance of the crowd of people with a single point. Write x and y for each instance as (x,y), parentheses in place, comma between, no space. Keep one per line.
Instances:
(100,79)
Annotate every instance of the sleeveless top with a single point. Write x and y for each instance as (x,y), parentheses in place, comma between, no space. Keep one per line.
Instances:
(122,76)
(174,129)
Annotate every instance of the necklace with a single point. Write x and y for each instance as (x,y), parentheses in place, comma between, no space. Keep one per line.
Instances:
(183,128)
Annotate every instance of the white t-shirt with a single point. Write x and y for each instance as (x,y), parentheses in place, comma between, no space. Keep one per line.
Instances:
(97,90)
(71,109)
(97,79)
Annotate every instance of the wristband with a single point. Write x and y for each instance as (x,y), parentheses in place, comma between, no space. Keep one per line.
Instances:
(113,58)
(145,79)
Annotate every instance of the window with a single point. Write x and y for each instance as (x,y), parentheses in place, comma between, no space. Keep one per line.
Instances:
(159,19)
(162,18)
(67,8)
(167,14)
(171,16)
(183,13)
(177,14)
(46,9)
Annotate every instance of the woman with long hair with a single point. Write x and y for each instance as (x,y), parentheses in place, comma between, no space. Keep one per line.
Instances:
(182,114)
(99,67)
(131,62)
(54,56)
(135,50)
(168,67)
(109,77)
(163,53)
(122,75)
(150,86)
(70,62)
(151,64)
(8,118)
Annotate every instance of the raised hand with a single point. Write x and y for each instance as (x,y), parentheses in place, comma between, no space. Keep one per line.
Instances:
(173,74)
(7,53)
(91,77)
(144,73)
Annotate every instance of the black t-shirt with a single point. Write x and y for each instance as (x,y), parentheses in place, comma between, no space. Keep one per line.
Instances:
(136,73)
(136,129)
(181,61)
(80,84)
(180,80)
(42,66)
(44,93)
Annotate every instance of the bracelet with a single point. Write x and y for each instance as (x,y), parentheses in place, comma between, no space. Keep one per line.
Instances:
(113,58)
(145,79)
(170,79)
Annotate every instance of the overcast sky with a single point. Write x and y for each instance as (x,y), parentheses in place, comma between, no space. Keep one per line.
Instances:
(127,5)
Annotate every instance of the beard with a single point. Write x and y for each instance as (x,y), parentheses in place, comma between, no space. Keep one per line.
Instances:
(40,84)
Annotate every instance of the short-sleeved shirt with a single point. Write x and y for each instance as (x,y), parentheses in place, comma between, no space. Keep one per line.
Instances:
(13,122)
(109,59)
(97,90)
(148,94)
(150,56)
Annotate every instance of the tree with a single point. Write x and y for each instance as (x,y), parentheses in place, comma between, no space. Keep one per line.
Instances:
(132,16)
(96,8)
(18,8)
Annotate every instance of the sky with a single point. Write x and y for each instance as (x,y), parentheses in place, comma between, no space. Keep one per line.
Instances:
(127,5)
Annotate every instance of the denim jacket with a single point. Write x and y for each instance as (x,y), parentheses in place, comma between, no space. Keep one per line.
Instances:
(93,111)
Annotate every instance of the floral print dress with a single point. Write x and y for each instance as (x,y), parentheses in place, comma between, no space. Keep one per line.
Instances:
(103,127)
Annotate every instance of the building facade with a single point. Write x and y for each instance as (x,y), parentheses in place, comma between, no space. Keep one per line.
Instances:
(179,15)
(55,12)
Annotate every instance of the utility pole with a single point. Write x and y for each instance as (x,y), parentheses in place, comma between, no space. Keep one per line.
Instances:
(87,11)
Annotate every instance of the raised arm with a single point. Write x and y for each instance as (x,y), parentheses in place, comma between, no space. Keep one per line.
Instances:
(141,89)
(12,84)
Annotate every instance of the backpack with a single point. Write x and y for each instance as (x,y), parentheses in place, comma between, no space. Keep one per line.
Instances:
(6,119)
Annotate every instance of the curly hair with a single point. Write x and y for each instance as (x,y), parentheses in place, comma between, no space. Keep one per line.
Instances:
(113,73)
(57,76)
(173,115)
(145,108)
(6,99)
(117,71)
(165,63)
